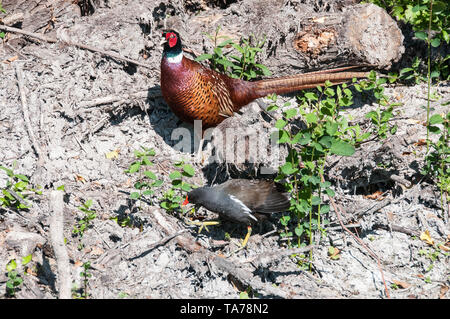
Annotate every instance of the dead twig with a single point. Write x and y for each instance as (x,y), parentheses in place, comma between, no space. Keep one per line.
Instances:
(57,240)
(161,242)
(75,44)
(116,98)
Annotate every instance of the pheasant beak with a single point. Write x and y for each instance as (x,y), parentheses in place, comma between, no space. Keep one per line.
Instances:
(186,201)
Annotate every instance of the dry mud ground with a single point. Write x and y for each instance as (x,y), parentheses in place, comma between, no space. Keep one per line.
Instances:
(61,84)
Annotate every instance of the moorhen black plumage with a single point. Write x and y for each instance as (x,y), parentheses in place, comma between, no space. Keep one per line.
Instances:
(241,200)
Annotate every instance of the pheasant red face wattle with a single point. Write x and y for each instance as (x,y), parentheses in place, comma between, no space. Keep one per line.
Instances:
(171,39)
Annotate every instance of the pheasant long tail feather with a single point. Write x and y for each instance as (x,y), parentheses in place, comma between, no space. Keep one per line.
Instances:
(298,82)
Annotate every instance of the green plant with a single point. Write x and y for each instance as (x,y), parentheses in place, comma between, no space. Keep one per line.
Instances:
(85,275)
(413,73)
(85,222)
(17,190)
(430,21)
(432,254)
(147,180)
(2,34)
(437,159)
(382,115)
(244,66)
(417,14)
(325,132)
(14,280)
(173,197)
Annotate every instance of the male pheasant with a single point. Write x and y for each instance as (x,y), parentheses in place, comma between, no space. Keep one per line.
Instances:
(241,200)
(194,92)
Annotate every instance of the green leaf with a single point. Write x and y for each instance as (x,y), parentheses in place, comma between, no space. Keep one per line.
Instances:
(329,91)
(175,175)
(326,141)
(225,63)
(134,195)
(283,137)
(238,47)
(435,42)
(218,51)
(189,170)
(311,96)
(272,107)
(315,200)
(421,35)
(186,187)
(202,57)
(243,295)
(157,183)
(418,8)
(148,192)
(305,138)
(177,183)
(264,69)
(280,124)
(311,118)
(290,113)
(225,43)
(436,119)
(26,259)
(331,128)
(8,171)
(330,192)
(146,161)
(134,167)
(324,209)
(165,205)
(435,74)
(21,185)
(342,148)
(11,265)
(434,129)
(287,169)
(22,177)
(150,175)
(299,230)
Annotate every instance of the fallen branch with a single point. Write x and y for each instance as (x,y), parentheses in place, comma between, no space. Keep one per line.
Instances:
(190,245)
(57,241)
(26,115)
(75,44)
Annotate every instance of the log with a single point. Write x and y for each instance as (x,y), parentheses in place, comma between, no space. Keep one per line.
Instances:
(362,34)
(299,39)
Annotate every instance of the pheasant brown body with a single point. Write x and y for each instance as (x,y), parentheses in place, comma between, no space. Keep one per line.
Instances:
(194,92)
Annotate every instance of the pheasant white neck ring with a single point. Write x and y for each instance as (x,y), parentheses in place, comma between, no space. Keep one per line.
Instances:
(176,58)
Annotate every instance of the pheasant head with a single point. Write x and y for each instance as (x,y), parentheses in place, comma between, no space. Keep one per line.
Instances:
(172,46)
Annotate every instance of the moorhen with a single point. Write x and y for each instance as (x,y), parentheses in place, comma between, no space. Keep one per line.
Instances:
(239,200)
